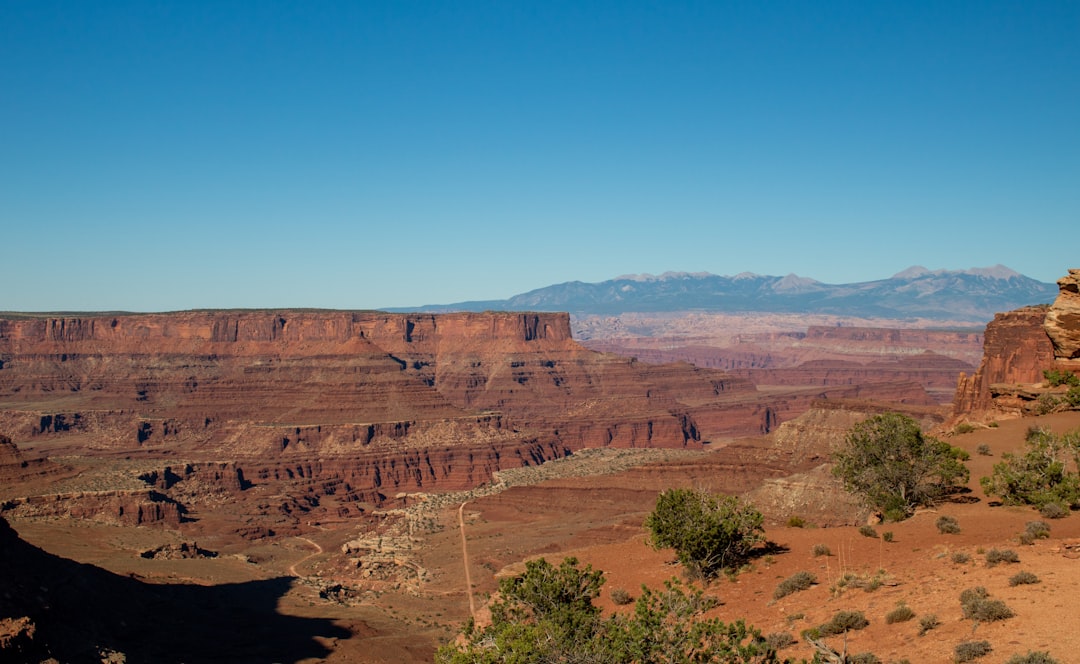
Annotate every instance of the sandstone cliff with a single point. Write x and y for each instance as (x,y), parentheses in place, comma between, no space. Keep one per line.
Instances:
(1019,346)
(1016,350)
(344,409)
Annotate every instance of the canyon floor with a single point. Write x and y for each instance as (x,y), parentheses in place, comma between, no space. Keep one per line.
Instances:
(591,506)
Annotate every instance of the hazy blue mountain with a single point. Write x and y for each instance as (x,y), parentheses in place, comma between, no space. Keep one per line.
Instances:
(975,295)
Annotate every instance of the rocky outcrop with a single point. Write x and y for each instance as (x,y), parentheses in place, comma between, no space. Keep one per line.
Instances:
(1062,322)
(123,508)
(1016,350)
(15,467)
(807,444)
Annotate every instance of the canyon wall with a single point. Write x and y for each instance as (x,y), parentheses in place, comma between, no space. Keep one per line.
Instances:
(347,408)
(1019,346)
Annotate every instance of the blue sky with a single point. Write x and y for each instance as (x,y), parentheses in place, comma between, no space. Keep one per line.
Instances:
(172,155)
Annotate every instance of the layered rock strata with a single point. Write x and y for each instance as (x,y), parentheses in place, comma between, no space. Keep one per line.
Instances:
(1019,347)
(348,409)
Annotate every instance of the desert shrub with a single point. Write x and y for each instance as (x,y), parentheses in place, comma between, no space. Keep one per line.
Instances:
(928,622)
(902,613)
(1056,377)
(971,594)
(708,532)
(621,597)
(796,522)
(895,468)
(821,550)
(547,614)
(960,557)
(947,525)
(995,556)
(969,650)
(977,605)
(1053,511)
(868,582)
(887,536)
(794,583)
(964,427)
(983,450)
(864,658)
(1072,397)
(868,531)
(1040,475)
(1032,658)
(1037,529)
(993,425)
(779,640)
(843,621)
(1048,403)
(1023,579)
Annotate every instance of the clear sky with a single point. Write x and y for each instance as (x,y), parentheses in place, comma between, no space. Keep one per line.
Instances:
(170,155)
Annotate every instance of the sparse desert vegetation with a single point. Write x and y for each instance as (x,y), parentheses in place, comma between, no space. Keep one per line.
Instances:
(947,525)
(794,583)
(894,467)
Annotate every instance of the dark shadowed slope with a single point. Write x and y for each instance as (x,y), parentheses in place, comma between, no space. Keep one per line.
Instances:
(54,607)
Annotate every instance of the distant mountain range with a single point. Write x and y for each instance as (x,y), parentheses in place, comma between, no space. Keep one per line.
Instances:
(974,295)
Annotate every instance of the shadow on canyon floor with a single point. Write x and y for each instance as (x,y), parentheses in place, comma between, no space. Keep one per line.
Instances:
(81,612)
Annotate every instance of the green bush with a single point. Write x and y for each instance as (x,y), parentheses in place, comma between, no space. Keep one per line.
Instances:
(1072,397)
(960,557)
(964,427)
(928,622)
(844,621)
(821,550)
(977,605)
(794,583)
(902,613)
(1032,658)
(1049,403)
(864,658)
(895,468)
(1056,377)
(868,531)
(995,556)
(969,650)
(1041,474)
(1023,579)
(708,532)
(547,614)
(983,450)
(796,522)
(887,536)
(947,525)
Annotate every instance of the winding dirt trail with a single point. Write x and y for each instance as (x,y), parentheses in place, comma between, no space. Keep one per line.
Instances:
(465,559)
(318,550)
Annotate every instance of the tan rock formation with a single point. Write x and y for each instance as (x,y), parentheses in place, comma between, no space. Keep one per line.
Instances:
(1062,322)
